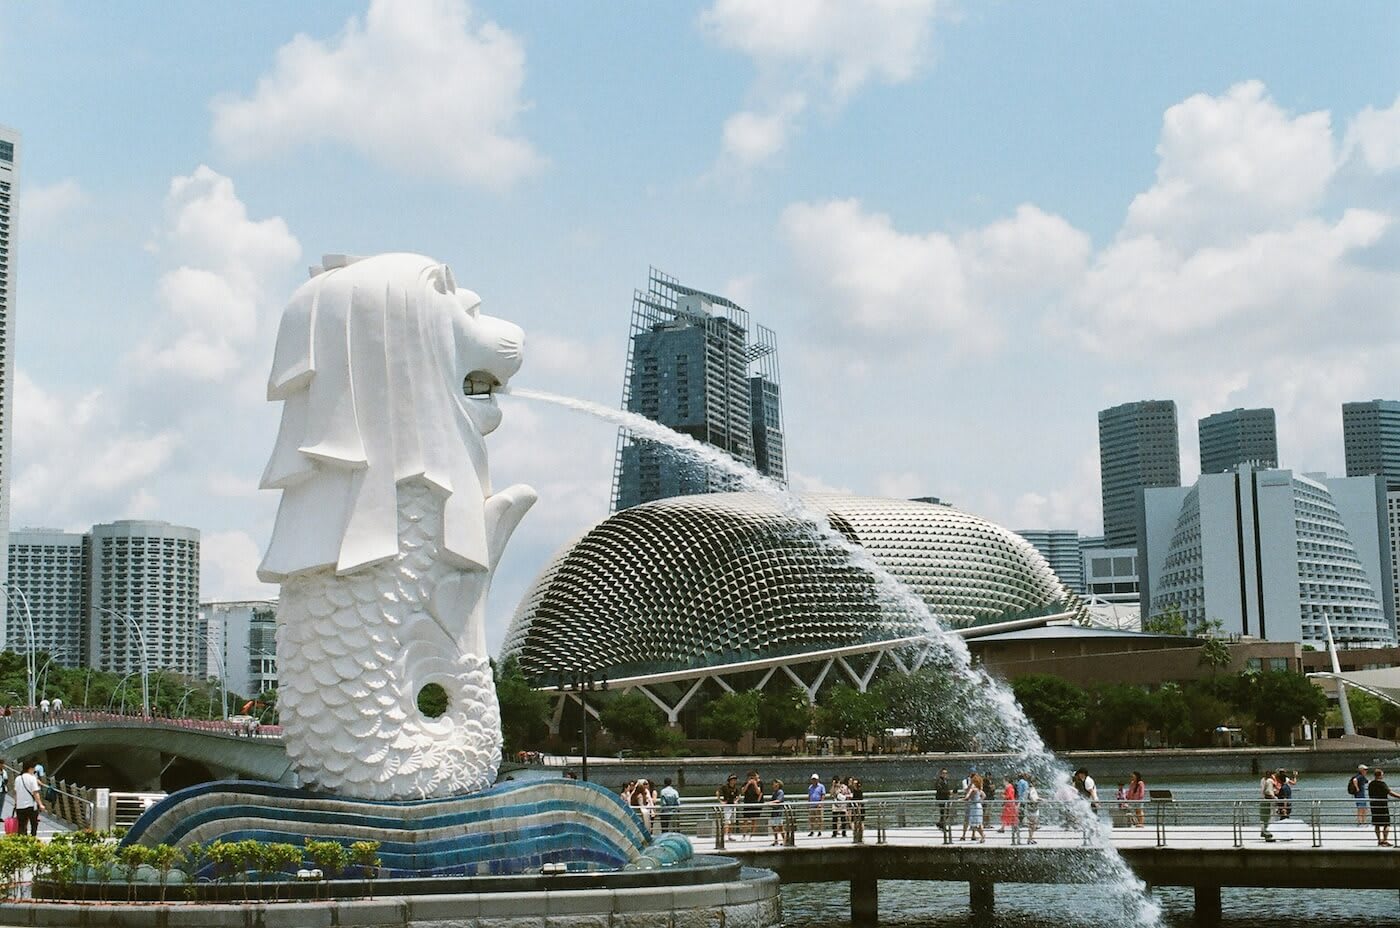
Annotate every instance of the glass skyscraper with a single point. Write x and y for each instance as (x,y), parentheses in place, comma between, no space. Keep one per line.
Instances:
(1137,448)
(1239,436)
(1371,435)
(697,365)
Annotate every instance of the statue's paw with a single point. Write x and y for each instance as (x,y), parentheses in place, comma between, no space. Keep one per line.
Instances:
(504,510)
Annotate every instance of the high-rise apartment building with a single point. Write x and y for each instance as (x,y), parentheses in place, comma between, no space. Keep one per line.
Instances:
(143,591)
(697,365)
(1060,548)
(1239,436)
(241,644)
(49,579)
(1271,554)
(1137,449)
(9,206)
(1371,435)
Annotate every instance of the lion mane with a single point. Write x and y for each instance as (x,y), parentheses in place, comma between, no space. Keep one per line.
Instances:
(366,366)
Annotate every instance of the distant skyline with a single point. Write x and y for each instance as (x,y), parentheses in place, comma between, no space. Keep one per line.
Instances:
(971,225)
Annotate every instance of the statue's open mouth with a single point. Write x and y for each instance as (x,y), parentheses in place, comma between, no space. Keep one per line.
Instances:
(480,383)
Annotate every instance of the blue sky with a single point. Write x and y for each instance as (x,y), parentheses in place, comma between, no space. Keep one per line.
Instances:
(972,226)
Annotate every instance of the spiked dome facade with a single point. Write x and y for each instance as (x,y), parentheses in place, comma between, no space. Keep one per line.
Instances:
(690,586)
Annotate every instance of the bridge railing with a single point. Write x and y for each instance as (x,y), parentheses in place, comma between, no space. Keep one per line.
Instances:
(1229,822)
(24,720)
(69,802)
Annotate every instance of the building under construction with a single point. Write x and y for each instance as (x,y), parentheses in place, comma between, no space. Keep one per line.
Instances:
(697,364)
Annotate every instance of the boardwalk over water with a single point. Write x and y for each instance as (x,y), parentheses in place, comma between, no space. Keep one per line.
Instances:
(1203,844)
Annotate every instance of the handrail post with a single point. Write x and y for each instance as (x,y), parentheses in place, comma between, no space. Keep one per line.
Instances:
(789,825)
(719,827)
(1315,819)
(880,823)
(1237,823)
(1160,814)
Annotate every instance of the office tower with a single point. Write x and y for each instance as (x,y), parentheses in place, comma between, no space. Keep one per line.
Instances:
(241,645)
(1392,506)
(1137,449)
(1060,548)
(697,365)
(1271,553)
(48,574)
(143,590)
(9,206)
(1371,435)
(1240,436)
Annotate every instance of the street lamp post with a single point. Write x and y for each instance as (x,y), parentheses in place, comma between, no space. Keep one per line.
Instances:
(121,685)
(145,656)
(584,683)
(223,670)
(10,593)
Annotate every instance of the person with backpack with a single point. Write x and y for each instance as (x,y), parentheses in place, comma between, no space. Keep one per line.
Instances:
(670,805)
(1356,788)
(28,803)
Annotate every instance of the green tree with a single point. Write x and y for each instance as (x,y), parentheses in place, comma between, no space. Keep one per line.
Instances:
(1282,699)
(1170,713)
(1169,621)
(1119,709)
(1052,703)
(524,710)
(730,717)
(1215,654)
(930,705)
(633,719)
(784,713)
(845,712)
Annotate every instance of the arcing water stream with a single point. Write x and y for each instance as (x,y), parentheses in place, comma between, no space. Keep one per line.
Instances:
(985,701)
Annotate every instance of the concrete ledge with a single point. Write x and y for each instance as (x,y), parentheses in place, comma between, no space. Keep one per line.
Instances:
(750,902)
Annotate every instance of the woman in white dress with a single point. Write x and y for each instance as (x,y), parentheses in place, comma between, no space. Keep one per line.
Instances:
(974,798)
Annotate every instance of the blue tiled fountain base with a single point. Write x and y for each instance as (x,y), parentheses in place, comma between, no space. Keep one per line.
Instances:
(508,829)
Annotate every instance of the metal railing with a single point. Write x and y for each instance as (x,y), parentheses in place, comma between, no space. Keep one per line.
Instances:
(1186,823)
(65,801)
(24,720)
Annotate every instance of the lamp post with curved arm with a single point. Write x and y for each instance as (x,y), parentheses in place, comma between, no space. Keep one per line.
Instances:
(145,656)
(121,685)
(223,669)
(10,593)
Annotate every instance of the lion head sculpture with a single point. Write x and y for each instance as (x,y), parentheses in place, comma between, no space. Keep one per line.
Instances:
(386,370)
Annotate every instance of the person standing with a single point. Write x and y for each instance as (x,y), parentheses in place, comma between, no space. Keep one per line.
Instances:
(775,817)
(943,795)
(728,798)
(1268,794)
(816,795)
(974,798)
(857,813)
(28,803)
(1010,814)
(1380,794)
(841,807)
(1030,810)
(58,708)
(1137,799)
(753,802)
(1356,788)
(44,706)
(670,805)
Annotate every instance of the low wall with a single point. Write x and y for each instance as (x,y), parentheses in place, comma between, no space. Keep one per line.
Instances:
(904,771)
(753,901)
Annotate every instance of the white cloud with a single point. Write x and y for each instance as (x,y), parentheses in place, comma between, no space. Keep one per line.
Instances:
(802,48)
(902,485)
(418,86)
(42,207)
(228,567)
(214,298)
(751,137)
(1374,135)
(1231,165)
(870,279)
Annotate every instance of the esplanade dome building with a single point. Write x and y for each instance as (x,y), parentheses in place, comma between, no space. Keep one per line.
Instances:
(684,587)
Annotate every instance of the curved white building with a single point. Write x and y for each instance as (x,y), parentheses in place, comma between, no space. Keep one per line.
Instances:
(726,580)
(1272,553)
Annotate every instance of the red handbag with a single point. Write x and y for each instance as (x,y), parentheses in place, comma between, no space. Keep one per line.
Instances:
(11,825)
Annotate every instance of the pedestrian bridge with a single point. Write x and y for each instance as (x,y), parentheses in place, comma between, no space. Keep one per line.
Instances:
(1203,844)
(129,752)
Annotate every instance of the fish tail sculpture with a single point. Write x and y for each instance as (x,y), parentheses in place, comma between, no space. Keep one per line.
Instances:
(388,531)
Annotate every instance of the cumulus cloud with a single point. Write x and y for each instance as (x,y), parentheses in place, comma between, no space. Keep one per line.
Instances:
(805,48)
(872,280)
(1374,137)
(42,207)
(228,564)
(421,86)
(213,297)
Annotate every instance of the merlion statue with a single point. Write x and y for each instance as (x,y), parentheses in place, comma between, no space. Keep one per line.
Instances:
(388,531)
